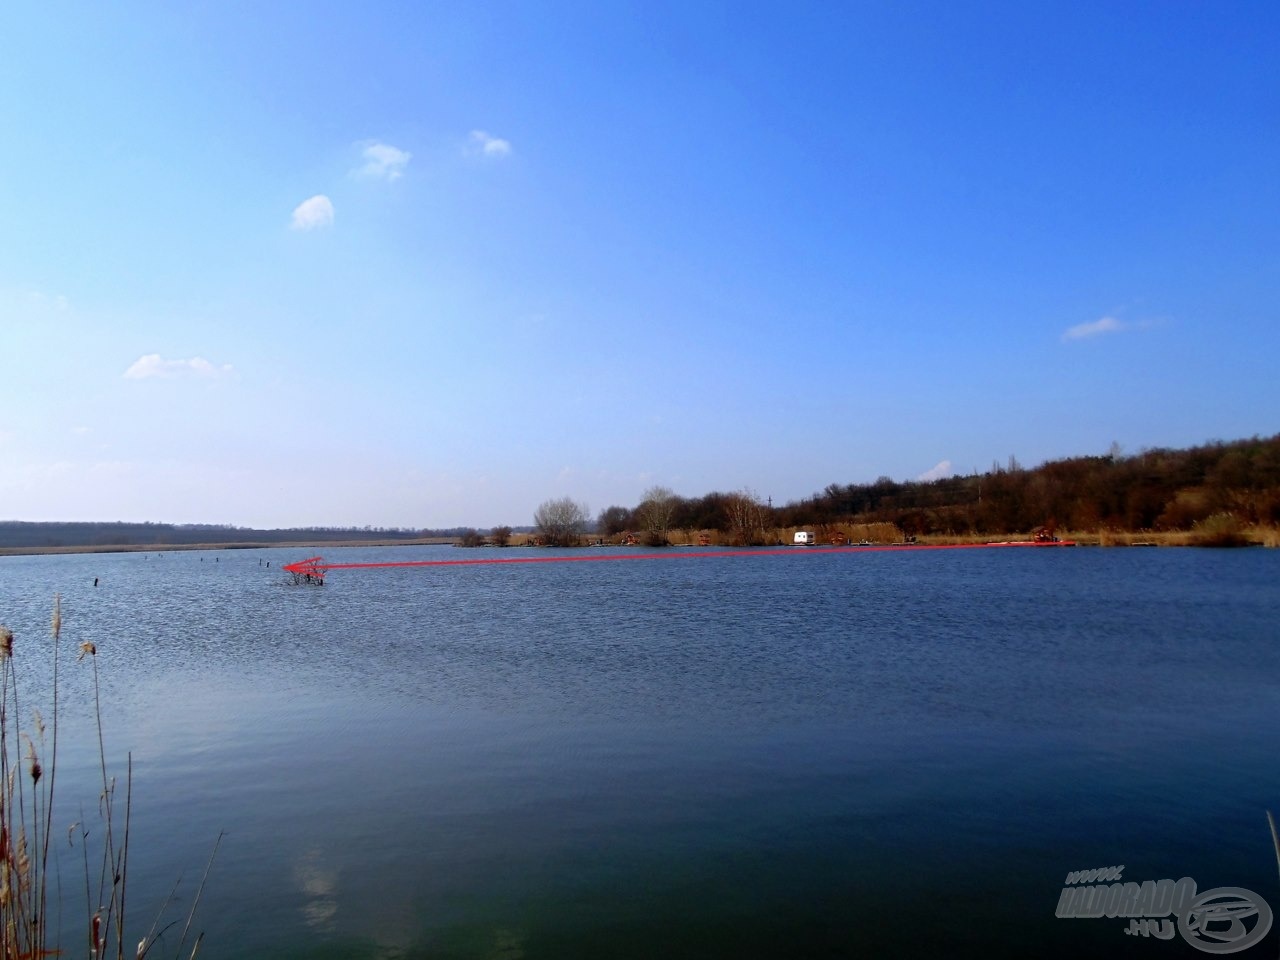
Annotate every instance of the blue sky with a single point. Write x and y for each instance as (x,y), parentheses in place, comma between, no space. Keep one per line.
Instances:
(431,264)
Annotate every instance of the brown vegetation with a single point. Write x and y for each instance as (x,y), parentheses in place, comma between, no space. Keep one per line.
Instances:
(28,774)
(561,522)
(1219,494)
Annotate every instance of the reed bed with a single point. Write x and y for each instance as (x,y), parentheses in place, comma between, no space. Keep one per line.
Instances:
(29,868)
(1217,531)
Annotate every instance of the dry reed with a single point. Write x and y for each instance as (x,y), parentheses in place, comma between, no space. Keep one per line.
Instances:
(28,773)
(1275,837)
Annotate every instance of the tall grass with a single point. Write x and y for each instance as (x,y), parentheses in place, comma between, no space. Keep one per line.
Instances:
(28,774)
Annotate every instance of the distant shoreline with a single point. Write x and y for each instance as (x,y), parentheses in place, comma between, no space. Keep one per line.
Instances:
(38,551)
(1257,536)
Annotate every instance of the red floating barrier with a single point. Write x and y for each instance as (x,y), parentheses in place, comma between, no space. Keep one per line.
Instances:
(313,569)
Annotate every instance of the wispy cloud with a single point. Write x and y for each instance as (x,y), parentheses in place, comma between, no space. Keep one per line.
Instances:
(480,143)
(1095,328)
(314,213)
(44,301)
(938,471)
(383,161)
(153,365)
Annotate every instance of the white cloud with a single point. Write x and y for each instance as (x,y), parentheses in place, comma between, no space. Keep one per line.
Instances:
(153,365)
(383,161)
(938,471)
(484,145)
(1095,328)
(313,213)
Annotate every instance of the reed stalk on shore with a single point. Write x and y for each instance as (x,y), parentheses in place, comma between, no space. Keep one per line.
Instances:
(28,865)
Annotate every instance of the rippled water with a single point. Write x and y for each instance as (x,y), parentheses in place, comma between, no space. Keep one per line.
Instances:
(857,754)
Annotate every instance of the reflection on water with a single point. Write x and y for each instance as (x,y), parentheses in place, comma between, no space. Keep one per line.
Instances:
(319,886)
(758,757)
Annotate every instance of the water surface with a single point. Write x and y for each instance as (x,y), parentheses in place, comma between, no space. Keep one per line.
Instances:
(856,754)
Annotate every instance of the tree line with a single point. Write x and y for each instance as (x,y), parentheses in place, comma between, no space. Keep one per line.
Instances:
(1154,489)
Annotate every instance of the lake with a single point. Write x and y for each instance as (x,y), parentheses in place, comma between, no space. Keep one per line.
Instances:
(814,754)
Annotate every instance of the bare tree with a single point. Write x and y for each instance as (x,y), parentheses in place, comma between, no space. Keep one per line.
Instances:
(500,536)
(655,512)
(561,522)
(745,513)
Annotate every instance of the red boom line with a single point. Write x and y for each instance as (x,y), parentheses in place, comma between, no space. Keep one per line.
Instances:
(317,567)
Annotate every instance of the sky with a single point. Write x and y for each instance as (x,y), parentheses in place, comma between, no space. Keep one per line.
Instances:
(431,264)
